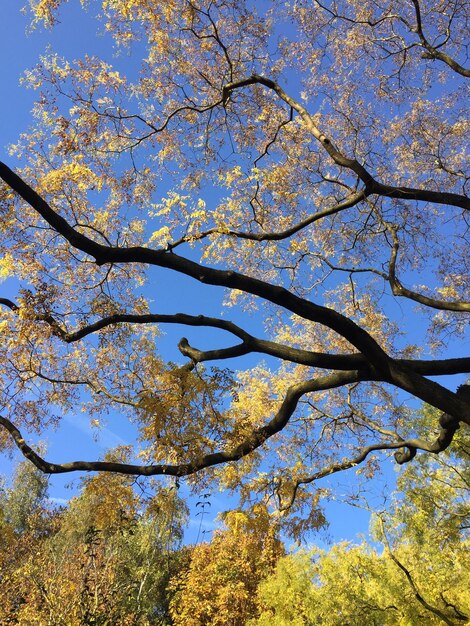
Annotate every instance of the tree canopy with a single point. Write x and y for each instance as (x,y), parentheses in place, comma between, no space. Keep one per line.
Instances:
(308,158)
(93,561)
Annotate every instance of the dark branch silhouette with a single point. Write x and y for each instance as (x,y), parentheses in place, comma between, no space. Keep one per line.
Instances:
(370,362)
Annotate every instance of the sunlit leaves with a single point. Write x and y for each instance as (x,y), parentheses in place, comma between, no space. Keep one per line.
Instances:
(315,146)
(105,558)
(220,582)
(418,574)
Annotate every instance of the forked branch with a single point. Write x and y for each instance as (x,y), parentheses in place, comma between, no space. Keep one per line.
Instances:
(248,345)
(371,185)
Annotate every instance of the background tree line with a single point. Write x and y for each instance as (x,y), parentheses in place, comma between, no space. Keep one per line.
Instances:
(111,557)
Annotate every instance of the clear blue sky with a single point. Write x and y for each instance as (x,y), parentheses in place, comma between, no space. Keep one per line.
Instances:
(72,37)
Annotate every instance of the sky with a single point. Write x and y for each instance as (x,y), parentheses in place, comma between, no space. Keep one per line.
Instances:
(73,36)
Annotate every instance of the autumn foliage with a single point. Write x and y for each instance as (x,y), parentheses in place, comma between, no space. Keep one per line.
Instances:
(74,565)
(306,158)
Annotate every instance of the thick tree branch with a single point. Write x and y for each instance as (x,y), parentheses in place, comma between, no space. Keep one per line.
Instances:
(253,441)
(57,222)
(448,425)
(357,336)
(250,344)
(9,303)
(433,53)
(323,360)
(388,369)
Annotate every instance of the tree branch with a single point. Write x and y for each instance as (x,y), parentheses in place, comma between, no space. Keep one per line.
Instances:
(250,344)
(388,369)
(408,451)
(412,583)
(253,441)
(353,333)
(448,425)
(399,290)
(347,203)
(372,186)
(431,51)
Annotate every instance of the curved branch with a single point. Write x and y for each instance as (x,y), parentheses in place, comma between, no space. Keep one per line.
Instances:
(155,318)
(399,290)
(253,441)
(412,583)
(347,203)
(9,303)
(396,286)
(457,611)
(407,451)
(353,333)
(431,51)
(448,425)
(372,186)
(250,344)
(333,468)
(438,367)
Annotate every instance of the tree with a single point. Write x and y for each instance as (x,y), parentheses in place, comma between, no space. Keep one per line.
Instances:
(219,585)
(356,585)
(305,157)
(26,521)
(25,500)
(419,575)
(100,562)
